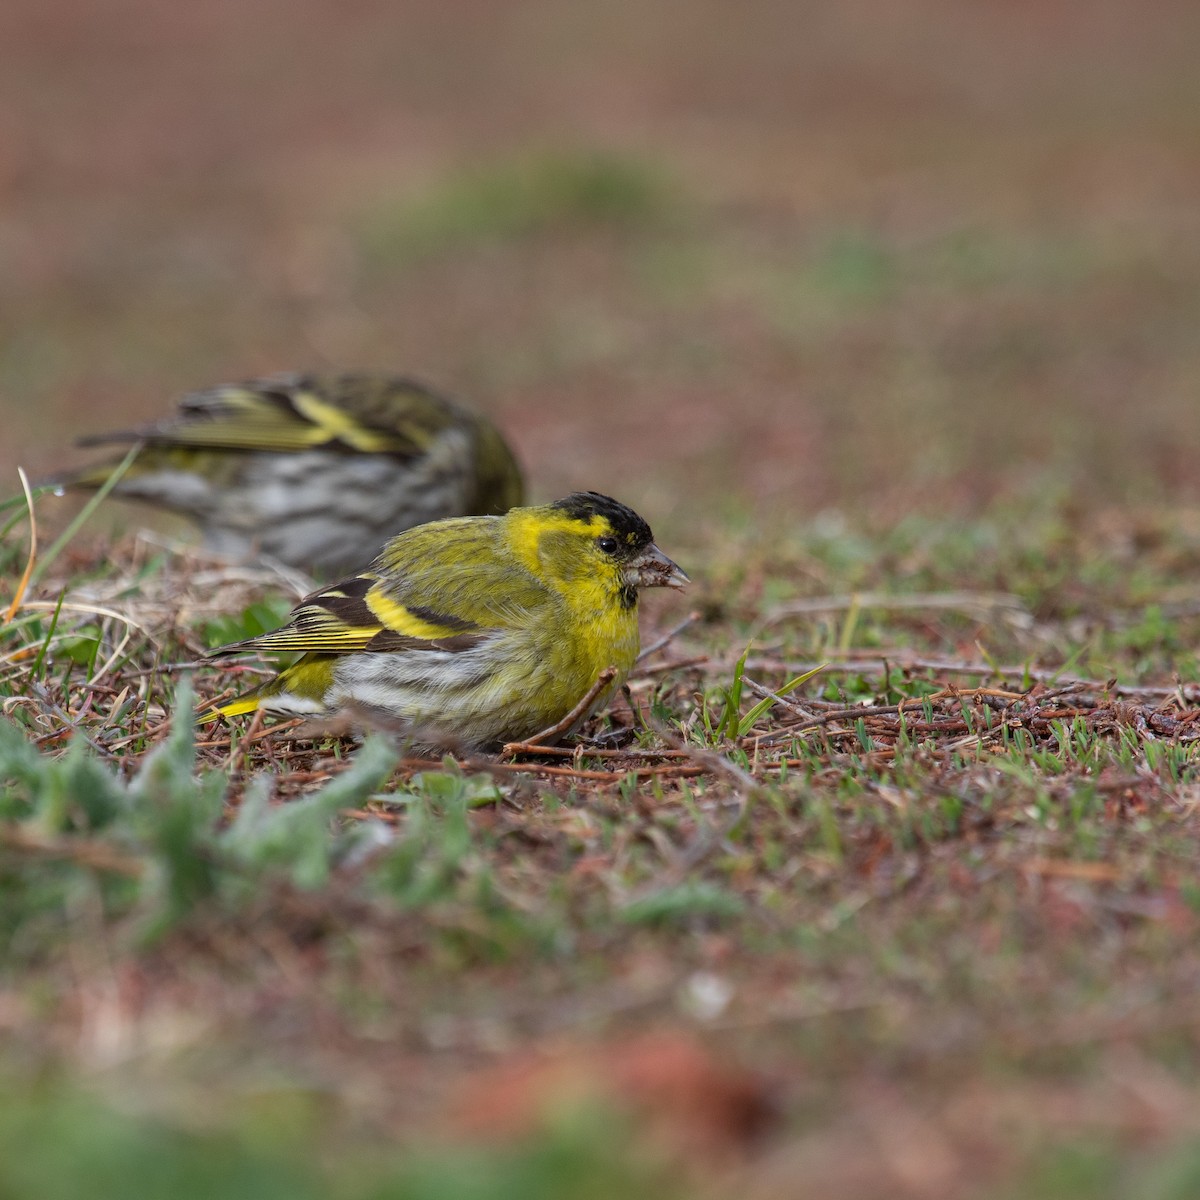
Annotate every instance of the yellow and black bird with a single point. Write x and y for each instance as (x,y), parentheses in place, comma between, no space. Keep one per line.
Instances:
(468,632)
(315,471)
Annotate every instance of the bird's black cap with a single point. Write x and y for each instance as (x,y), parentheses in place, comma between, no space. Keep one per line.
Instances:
(626,524)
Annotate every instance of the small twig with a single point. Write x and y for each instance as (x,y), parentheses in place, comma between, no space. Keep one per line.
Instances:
(855,661)
(157,669)
(583,751)
(247,739)
(680,664)
(93,610)
(580,711)
(113,658)
(670,771)
(955,601)
(270,731)
(475,763)
(147,735)
(669,636)
(881,710)
(766,694)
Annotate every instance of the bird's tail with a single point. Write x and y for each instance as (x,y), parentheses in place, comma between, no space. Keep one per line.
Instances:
(237,707)
(91,476)
(297,691)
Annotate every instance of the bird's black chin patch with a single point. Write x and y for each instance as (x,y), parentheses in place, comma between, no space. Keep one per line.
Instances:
(629,596)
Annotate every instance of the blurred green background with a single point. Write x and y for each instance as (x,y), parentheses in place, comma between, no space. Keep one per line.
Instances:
(773,258)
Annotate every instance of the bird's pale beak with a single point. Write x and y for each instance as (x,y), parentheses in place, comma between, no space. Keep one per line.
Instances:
(652,568)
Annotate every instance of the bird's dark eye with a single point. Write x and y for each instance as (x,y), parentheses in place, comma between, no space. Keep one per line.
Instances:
(609,545)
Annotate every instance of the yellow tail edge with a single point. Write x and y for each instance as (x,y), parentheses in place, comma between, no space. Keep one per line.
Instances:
(231,708)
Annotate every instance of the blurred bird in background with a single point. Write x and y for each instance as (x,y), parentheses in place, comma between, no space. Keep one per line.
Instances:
(315,471)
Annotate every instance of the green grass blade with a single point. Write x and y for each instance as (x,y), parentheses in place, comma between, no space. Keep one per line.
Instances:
(768,702)
(84,513)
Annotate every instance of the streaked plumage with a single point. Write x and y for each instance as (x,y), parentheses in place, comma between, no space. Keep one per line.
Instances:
(315,471)
(467,632)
